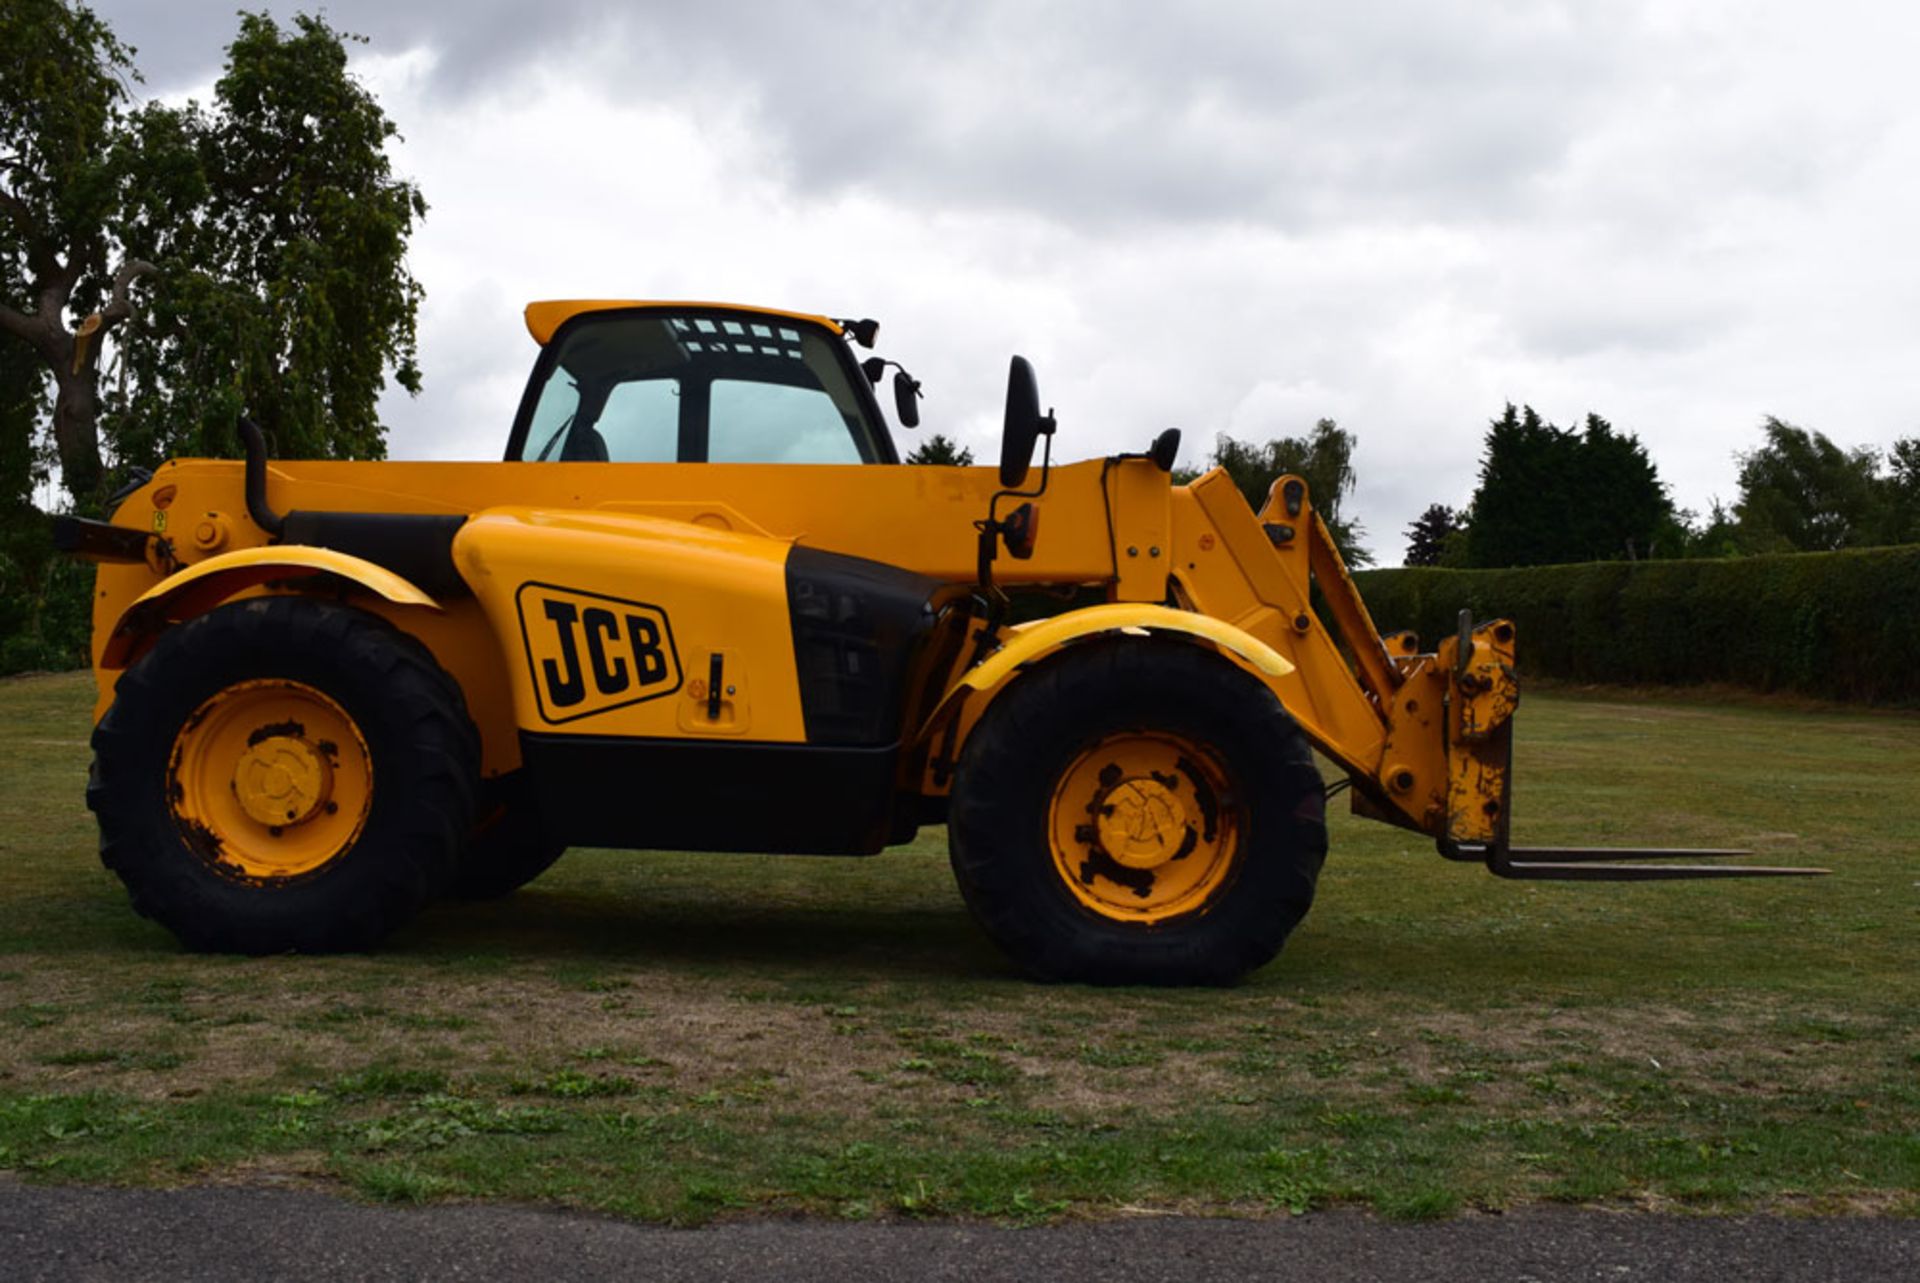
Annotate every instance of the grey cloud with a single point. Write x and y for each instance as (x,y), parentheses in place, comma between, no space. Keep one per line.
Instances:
(182,43)
(1681,217)
(1288,114)
(1092,114)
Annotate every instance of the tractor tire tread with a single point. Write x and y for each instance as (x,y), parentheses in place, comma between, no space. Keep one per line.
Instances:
(1000,853)
(404,856)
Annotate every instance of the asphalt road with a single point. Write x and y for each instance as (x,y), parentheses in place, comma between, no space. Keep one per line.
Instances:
(223,1233)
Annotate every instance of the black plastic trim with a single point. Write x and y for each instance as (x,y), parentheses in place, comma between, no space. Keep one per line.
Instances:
(92,540)
(416,546)
(858,627)
(709,795)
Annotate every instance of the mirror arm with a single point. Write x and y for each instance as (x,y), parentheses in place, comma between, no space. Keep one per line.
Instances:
(1046,466)
(1023,423)
(906,388)
(992,528)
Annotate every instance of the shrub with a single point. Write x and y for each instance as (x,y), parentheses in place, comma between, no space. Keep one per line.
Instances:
(1840,625)
(46,600)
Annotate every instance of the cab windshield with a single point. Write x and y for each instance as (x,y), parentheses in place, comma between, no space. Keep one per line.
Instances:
(663,386)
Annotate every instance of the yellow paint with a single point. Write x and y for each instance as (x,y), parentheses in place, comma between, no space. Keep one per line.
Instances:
(969,696)
(1030,641)
(1130,835)
(732,714)
(1414,760)
(1484,695)
(1263,589)
(210,533)
(1142,533)
(270,779)
(544,318)
(683,561)
(282,779)
(206,584)
(667,595)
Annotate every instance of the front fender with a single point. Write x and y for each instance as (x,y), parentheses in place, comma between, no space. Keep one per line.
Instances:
(206,584)
(1030,642)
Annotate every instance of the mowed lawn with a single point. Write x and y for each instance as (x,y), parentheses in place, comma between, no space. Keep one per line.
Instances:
(679,1037)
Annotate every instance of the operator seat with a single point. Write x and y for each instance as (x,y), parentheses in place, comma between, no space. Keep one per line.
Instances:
(584,445)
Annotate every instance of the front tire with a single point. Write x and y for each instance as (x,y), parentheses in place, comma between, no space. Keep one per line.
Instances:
(284,774)
(1137,812)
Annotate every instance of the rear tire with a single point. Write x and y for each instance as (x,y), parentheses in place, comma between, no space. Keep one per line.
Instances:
(509,846)
(1138,812)
(284,774)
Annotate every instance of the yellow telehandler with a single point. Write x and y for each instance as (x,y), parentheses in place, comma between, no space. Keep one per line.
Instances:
(703,606)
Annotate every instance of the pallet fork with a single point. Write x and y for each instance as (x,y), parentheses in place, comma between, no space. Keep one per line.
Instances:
(1481,746)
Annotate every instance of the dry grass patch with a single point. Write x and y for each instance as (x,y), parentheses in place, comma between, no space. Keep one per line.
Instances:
(683,1037)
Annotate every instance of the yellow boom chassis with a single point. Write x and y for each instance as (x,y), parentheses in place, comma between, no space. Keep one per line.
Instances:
(1422,736)
(330,691)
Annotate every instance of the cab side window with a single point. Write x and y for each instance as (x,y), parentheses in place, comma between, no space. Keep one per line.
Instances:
(776,423)
(641,421)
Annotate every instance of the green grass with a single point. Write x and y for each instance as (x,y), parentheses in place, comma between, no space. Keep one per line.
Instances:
(680,1037)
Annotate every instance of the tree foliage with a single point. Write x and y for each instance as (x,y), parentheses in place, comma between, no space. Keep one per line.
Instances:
(1715,535)
(1799,492)
(1550,495)
(1323,459)
(296,300)
(1430,534)
(942,450)
(1899,515)
(268,226)
(162,267)
(63,181)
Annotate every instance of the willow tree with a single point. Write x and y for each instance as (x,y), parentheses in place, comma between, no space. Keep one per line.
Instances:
(170,266)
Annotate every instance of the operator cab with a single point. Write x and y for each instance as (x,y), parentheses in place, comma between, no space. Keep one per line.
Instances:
(695,383)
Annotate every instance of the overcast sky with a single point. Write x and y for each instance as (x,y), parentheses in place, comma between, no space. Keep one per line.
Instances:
(1220,217)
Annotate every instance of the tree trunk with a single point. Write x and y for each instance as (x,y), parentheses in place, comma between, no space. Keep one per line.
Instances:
(76,431)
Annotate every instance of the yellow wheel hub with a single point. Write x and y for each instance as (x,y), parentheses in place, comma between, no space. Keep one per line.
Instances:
(270,779)
(282,780)
(1142,823)
(1144,826)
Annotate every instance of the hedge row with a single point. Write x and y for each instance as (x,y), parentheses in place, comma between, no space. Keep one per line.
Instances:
(46,599)
(1840,625)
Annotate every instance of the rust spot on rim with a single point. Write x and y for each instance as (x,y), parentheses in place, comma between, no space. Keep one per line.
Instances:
(291,729)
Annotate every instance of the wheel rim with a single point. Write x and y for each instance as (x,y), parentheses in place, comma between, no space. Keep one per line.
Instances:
(269,780)
(1145,826)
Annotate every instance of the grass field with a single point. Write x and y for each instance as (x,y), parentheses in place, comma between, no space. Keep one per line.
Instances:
(676,1037)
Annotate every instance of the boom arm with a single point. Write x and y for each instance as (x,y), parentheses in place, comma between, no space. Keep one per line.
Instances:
(1444,766)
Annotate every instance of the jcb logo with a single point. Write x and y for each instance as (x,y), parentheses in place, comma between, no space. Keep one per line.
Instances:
(589,654)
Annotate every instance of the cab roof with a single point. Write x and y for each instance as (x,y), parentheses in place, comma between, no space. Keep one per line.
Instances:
(545,317)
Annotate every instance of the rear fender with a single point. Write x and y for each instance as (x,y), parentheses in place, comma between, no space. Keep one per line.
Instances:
(961,707)
(206,584)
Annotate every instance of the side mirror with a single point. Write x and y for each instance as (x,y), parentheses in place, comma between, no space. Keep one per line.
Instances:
(1165,449)
(906,398)
(861,332)
(1024,424)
